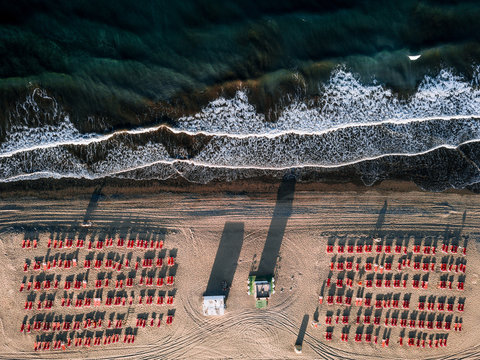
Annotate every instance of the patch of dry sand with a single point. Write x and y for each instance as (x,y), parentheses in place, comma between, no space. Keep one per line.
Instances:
(193,224)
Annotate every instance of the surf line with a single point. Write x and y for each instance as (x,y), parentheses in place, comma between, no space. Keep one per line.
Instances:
(173,162)
(90,138)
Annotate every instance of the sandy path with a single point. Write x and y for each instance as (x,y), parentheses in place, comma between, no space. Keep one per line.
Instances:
(194,224)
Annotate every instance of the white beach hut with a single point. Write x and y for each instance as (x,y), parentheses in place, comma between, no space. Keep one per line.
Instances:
(214,305)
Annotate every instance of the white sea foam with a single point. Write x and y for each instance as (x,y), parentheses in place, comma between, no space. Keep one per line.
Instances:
(354,123)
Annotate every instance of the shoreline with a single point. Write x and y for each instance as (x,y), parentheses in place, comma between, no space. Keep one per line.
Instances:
(65,188)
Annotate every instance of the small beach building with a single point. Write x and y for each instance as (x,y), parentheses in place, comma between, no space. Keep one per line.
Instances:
(262,289)
(214,305)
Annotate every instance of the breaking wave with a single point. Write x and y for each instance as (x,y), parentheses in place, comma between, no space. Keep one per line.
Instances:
(365,130)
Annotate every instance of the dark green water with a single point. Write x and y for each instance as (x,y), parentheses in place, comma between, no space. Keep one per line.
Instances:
(115,57)
(245,89)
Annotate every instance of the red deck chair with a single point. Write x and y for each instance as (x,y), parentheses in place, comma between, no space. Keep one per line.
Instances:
(368,301)
(368,248)
(359,249)
(340,249)
(378,249)
(358,337)
(350,249)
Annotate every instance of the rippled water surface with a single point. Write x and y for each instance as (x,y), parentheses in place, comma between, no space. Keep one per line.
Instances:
(208,90)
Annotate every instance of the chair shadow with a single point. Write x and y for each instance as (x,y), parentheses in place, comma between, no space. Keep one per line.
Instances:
(226,260)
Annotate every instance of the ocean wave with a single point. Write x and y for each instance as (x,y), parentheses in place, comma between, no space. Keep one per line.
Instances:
(351,125)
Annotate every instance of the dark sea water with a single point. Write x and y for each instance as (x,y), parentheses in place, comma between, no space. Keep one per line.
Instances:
(225,90)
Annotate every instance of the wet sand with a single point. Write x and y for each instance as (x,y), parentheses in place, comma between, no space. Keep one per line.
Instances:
(283,228)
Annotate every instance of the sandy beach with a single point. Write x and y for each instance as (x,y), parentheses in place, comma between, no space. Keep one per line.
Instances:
(285,227)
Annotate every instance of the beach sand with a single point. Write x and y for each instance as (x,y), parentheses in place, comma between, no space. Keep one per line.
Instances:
(295,220)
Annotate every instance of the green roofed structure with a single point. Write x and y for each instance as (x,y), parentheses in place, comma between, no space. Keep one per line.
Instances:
(261,288)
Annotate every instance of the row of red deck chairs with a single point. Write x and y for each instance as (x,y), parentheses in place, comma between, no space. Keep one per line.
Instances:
(427,265)
(396,249)
(431,343)
(358,338)
(444,267)
(441,306)
(142,281)
(367,301)
(393,322)
(47,265)
(97,264)
(117,265)
(119,301)
(53,326)
(41,305)
(153,322)
(443,284)
(46,285)
(29,244)
(107,243)
(87,342)
(369,248)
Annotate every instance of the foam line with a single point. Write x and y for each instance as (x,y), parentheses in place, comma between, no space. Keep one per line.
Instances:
(42,174)
(87,140)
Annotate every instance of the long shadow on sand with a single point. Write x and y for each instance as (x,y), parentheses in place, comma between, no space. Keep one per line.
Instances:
(381,216)
(303,329)
(226,260)
(281,213)
(92,205)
